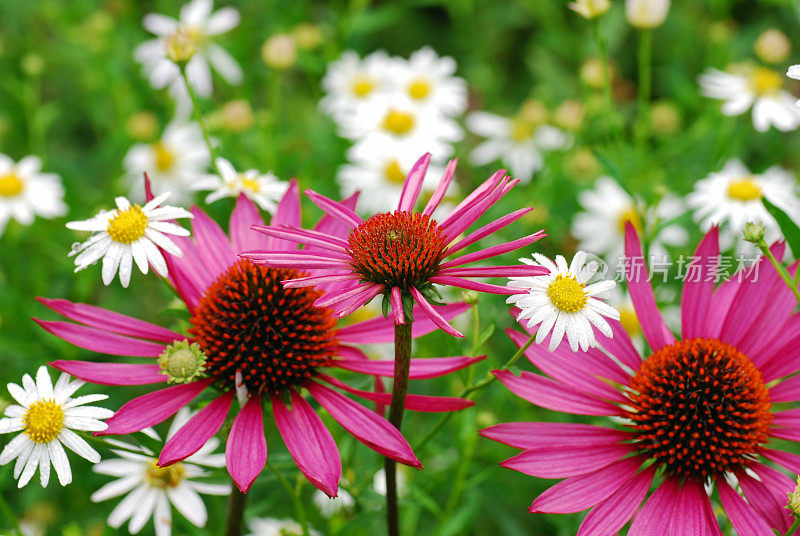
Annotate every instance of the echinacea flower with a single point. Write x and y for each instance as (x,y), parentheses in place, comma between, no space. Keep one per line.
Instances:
(128,234)
(173,163)
(264,189)
(562,302)
(150,489)
(46,416)
(731,198)
(401,254)
(753,87)
(689,418)
(255,339)
(26,192)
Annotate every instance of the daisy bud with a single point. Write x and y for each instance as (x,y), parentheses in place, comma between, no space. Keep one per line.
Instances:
(470,296)
(142,125)
(665,119)
(307,35)
(646,14)
(592,73)
(180,46)
(237,116)
(754,232)
(773,46)
(794,499)
(32,64)
(569,115)
(590,9)
(280,51)
(183,362)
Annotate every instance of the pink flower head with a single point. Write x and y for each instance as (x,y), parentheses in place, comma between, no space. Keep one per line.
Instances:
(689,416)
(259,340)
(401,254)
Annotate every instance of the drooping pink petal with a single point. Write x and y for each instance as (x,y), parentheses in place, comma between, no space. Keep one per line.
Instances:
(339,210)
(561,462)
(698,285)
(478,209)
(768,495)
(553,395)
(519,270)
(366,426)
(106,320)
(421,368)
(488,229)
(380,330)
(528,435)
(311,445)
(744,518)
(397,306)
(111,373)
(478,193)
(98,340)
(655,517)
(346,307)
(441,188)
(434,315)
(610,515)
(153,408)
(244,216)
(319,280)
(329,299)
(212,243)
(298,235)
(494,251)
(334,227)
(246,449)
(578,493)
(197,431)
(300,260)
(413,183)
(653,326)
(459,282)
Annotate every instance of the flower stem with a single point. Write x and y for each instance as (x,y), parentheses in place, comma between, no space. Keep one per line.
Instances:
(212,151)
(603,50)
(8,513)
(402,365)
(762,245)
(469,390)
(645,81)
(299,509)
(794,526)
(235,520)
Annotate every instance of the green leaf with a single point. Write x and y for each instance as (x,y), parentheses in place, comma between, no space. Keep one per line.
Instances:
(788,227)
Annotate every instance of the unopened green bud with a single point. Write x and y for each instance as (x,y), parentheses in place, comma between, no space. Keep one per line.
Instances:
(183,362)
(794,499)
(754,232)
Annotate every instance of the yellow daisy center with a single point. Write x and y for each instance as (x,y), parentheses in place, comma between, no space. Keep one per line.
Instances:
(522,129)
(629,321)
(630,215)
(393,172)
(419,89)
(250,184)
(165,477)
(765,81)
(43,421)
(398,122)
(567,294)
(10,185)
(128,226)
(744,189)
(164,158)
(362,87)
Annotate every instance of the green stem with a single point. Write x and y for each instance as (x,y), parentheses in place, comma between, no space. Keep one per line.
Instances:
(402,366)
(300,510)
(8,513)
(235,518)
(645,81)
(458,484)
(607,93)
(762,245)
(200,119)
(107,444)
(468,391)
(302,518)
(794,526)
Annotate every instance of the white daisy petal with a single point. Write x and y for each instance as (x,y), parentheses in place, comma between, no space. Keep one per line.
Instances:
(60,462)
(79,446)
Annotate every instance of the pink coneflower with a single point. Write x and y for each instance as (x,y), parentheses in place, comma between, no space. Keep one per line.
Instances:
(401,254)
(696,414)
(252,337)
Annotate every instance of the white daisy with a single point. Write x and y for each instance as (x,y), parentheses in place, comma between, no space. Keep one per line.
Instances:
(732,197)
(328,506)
(127,234)
(25,192)
(351,82)
(271,526)
(428,81)
(756,87)
(172,163)
(600,227)
(199,24)
(265,190)
(150,489)
(561,302)
(47,416)
(794,72)
(518,143)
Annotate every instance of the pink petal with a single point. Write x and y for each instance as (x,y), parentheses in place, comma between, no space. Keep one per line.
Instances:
(441,187)
(346,307)
(698,285)
(768,495)
(786,459)
(457,226)
(300,260)
(246,449)
(312,239)
(689,516)
(189,274)
(572,460)
(197,431)
(584,491)
(521,270)
(101,341)
(654,519)
(338,210)
(397,306)
(477,194)
(488,229)
(244,216)
(334,227)
(434,315)
(380,330)
(212,244)
(655,331)
(745,520)
(421,368)
(366,426)
(459,282)
(413,184)
(111,373)
(494,250)
(153,408)
(287,213)
(786,391)
(609,516)
(528,435)
(620,345)
(311,445)
(106,320)
(553,395)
